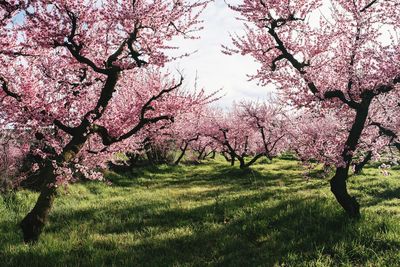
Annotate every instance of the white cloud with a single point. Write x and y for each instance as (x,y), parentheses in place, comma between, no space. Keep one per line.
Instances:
(216,70)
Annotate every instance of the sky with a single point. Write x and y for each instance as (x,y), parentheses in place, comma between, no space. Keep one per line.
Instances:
(214,69)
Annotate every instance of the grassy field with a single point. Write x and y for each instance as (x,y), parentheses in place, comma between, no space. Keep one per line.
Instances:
(210,214)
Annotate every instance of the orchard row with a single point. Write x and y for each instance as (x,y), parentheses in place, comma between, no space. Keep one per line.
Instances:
(85,82)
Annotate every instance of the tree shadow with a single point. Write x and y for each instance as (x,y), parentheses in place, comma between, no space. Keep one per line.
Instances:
(266,236)
(382,194)
(244,218)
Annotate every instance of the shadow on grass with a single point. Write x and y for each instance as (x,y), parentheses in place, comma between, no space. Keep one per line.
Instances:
(384,195)
(244,218)
(292,231)
(217,174)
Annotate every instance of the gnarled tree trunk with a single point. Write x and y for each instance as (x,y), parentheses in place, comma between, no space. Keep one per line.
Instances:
(338,182)
(34,222)
(244,165)
(339,189)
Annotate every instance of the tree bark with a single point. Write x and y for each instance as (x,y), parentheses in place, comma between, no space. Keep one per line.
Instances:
(225,156)
(183,151)
(34,222)
(200,157)
(244,165)
(339,189)
(359,166)
(133,159)
(338,182)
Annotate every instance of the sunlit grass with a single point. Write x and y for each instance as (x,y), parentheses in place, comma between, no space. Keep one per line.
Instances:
(210,214)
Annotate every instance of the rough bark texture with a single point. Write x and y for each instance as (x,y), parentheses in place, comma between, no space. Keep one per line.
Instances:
(339,189)
(33,223)
(338,182)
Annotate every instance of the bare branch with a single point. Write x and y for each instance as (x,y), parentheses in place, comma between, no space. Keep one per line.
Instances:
(76,48)
(368,6)
(7,90)
(147,106)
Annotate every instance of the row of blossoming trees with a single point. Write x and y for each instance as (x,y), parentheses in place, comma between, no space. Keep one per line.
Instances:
(82,81)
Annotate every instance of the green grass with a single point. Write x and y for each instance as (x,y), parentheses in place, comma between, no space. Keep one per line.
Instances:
(210,215)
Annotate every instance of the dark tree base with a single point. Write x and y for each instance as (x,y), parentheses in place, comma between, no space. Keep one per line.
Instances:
(33,223)
(349,203)
(32,227)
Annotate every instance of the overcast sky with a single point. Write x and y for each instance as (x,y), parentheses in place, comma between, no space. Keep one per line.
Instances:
(214,69)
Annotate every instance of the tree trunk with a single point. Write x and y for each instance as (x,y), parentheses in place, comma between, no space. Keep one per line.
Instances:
(207,154)
(359,166)
(182,154)
(34,222)
(232,160)
(339,189)
(133,159)
(338,182)
(201,153)
(226,157)
(242,164)
(213,154)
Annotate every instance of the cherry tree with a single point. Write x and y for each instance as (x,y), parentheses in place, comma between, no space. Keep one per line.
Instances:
(203,146)
(386,118)
(229,131)
(185,131)
(269,121)
(187,126)
(339,54)
(154,140)
(314,137)
(14,142)
(84,70)
(13,148)
(249,129)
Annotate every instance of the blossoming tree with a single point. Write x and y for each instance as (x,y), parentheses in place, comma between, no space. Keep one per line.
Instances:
(341,54)
(82,70)
(249,129)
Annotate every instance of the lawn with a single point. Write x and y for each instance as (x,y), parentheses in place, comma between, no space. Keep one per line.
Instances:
(210,214)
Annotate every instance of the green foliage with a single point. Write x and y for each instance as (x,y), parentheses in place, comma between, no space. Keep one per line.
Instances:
(210,214)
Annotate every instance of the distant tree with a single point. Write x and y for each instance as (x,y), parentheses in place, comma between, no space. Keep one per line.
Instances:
(249,130)
(269,121)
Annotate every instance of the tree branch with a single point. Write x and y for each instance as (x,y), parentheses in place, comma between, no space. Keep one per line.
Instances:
(6,90)
(76,48)
(368,6)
